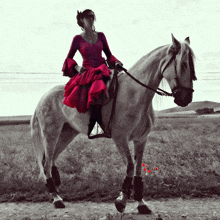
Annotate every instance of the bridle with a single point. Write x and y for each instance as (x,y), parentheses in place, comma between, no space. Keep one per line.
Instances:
(161,92)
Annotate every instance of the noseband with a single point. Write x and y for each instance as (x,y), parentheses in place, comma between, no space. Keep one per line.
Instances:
(161,92)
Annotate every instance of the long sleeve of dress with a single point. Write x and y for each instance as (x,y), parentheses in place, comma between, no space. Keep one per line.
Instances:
(69,63)
(110,58)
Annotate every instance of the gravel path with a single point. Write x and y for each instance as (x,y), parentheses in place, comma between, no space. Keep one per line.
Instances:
(171,208)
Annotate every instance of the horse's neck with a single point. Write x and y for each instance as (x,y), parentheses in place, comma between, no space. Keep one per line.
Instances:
(147,71)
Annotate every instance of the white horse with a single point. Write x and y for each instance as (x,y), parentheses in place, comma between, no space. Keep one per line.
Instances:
(54,125)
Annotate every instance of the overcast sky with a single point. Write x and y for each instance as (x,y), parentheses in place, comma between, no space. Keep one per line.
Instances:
(36,36)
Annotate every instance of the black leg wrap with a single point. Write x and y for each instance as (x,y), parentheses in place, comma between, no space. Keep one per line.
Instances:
(127,186)
(56,176)
(50,186)
(138,188)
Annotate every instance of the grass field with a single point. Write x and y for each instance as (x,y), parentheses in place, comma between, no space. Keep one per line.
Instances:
(185,150)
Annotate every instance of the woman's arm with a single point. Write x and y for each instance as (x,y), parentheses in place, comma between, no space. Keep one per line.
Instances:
(110,58)
(70,64)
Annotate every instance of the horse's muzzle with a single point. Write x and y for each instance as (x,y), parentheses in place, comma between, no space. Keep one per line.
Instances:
(182,96)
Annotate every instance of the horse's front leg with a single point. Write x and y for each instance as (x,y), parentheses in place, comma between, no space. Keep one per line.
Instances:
(138,183)
(120,202)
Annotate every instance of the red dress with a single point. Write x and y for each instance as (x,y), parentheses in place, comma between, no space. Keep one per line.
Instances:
(84,89)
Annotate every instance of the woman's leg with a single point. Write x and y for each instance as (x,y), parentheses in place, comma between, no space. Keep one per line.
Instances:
(96,116)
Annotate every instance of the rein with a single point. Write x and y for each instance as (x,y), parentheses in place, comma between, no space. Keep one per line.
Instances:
(161,92)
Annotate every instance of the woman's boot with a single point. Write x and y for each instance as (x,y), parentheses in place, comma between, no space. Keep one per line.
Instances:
(96,116)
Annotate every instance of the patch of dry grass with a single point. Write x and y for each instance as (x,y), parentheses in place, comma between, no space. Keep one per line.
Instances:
(186,152)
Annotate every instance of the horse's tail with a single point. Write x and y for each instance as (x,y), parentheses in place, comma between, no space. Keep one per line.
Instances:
(37,143)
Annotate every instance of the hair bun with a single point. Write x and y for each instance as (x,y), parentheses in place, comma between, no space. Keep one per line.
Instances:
(78,18)
(79,13)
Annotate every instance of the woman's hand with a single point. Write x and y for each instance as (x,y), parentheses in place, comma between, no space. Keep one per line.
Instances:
(118,66)
(80,69)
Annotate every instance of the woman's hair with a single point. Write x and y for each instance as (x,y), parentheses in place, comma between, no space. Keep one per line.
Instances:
(81,15)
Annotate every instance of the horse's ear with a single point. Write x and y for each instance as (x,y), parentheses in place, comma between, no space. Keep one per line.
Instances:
(187,40)
(176,43)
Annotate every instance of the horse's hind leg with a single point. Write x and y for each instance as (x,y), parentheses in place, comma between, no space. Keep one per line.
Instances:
(50,132)
(66,136)
(138,183)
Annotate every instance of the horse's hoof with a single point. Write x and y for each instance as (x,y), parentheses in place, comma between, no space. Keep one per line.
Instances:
(143,209)
(59,204)
(119,206)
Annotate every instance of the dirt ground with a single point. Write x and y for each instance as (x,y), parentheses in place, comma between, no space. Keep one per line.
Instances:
(168,208)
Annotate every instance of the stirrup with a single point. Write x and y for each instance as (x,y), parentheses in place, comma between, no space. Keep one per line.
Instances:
(104,134)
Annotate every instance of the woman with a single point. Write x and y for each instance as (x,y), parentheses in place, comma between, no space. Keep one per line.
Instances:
(87,85)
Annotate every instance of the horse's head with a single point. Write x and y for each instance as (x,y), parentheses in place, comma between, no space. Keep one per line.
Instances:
(178,70)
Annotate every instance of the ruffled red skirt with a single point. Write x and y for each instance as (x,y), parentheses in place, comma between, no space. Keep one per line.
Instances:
(83,90)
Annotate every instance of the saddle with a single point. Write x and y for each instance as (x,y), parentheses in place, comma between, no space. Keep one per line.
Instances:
(112,87)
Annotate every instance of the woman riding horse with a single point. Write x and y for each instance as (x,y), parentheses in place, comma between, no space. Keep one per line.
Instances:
(87,86)
(55,125)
